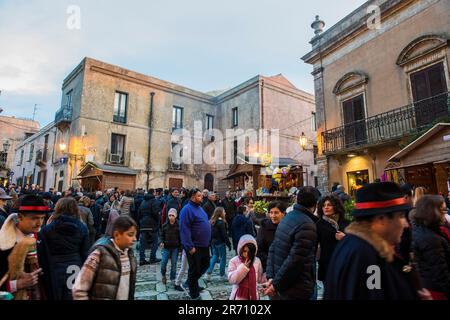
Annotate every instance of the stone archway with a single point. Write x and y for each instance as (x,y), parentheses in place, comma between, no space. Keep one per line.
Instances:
(209,182)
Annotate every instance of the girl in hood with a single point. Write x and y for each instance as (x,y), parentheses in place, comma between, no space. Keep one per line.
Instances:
(245,270)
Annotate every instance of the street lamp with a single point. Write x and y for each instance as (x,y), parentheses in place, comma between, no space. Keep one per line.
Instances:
(62,146)
(303,141)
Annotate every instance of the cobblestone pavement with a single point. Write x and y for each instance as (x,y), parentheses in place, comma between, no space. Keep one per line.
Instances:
(150,287)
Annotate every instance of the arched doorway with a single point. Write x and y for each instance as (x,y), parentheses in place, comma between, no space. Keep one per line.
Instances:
(209,182)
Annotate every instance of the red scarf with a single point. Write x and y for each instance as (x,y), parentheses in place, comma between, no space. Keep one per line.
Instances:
(247,287)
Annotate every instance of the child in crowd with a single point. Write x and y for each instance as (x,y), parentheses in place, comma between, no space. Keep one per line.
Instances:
(170,245)
(109,272)
(245,270)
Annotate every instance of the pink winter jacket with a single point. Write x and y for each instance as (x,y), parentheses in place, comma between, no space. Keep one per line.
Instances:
(238,270)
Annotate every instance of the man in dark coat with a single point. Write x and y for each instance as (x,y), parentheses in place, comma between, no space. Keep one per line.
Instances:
(149,221)
(364,265)
(230,208)
(291,260)
(210,204)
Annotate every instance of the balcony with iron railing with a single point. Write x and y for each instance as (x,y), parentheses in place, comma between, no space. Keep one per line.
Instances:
(121,159)
(63,115)
(387,127)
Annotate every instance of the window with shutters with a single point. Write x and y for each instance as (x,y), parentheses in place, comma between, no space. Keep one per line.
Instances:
(354,121)
(429,90)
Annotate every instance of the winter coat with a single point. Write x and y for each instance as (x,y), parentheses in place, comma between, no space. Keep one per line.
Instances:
(108,275)
(241,225)
(342,195)
(88,220)
(264,239)
(97,213)
(170,235)
(351,269)
(326,237)
(230,209)
(195,228)
(126,206)
(149,218)
(137,204)
(432,254)
(63,243)
(209,208)
(292,254)
(219,234)
(237,270)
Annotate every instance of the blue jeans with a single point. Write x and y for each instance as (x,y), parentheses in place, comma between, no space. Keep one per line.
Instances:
(173,255)
(144,239)
(218,251)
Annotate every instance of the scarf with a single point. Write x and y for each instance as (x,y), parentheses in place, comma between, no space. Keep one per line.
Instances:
(331,221)
(247,287)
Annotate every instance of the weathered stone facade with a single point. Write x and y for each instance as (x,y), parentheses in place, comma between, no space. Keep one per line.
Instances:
(351,59)
(88,133)
(14,131)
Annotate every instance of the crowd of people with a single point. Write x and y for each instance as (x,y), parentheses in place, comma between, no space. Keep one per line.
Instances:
(80,245)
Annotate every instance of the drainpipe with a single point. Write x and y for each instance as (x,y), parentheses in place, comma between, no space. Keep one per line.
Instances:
(150,125)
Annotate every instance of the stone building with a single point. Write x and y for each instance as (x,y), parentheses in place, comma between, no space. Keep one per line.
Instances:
(34,161)
(381,76)
(110,115)
(13,132)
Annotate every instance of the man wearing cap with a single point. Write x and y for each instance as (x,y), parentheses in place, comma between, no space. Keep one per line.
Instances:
(364,265)
(3,198)
(19,267)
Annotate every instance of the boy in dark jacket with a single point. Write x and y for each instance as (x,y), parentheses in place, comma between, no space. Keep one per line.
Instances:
(170,245)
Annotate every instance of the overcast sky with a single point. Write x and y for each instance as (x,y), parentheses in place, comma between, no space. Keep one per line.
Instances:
(201,44)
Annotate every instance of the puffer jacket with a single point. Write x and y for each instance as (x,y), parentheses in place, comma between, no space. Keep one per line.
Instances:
(107,280)
(291,256)
(237,270)
(432,253)
(170,235)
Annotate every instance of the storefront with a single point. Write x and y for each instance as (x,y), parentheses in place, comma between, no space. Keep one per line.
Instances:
(425,162)
(276,180)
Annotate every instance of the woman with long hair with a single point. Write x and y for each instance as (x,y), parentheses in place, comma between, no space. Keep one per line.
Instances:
(431,246)
(330,230)
(63,247)
(419,192)
(219,239)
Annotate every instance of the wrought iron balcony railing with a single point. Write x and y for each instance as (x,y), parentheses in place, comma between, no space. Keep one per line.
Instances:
(387,126)
(64,114)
